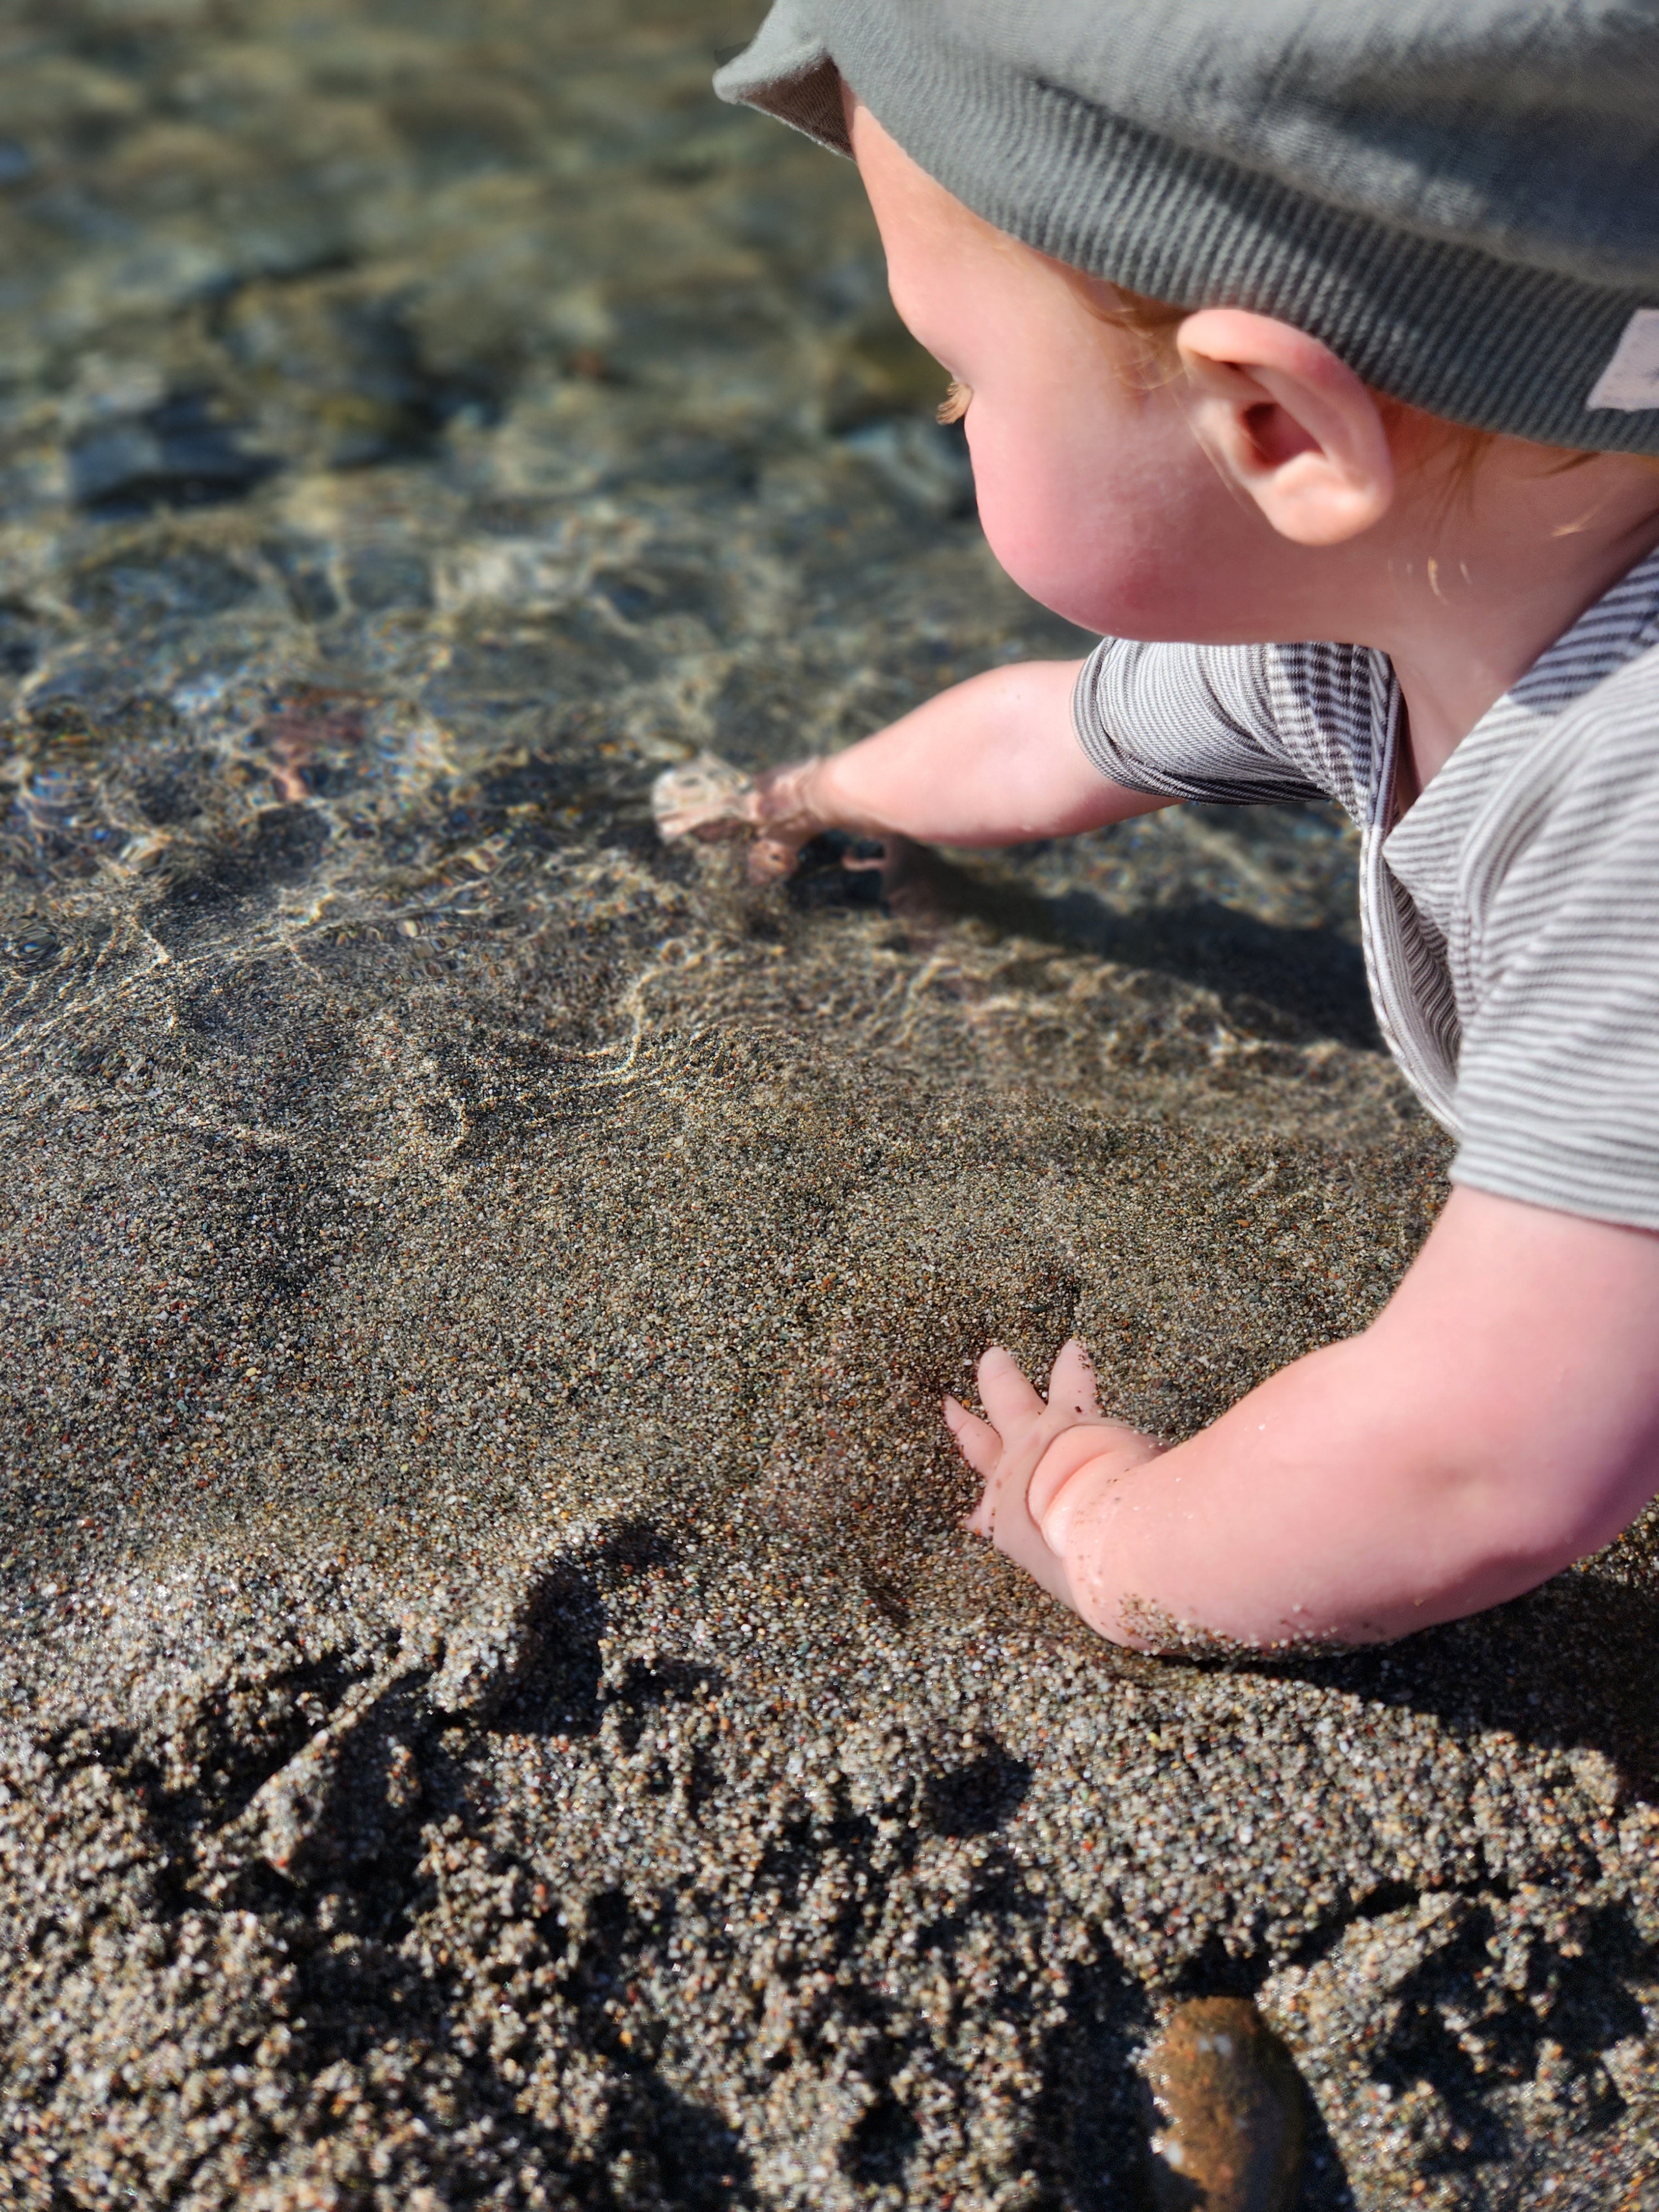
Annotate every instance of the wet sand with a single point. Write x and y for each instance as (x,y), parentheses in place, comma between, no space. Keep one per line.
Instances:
(498,1707)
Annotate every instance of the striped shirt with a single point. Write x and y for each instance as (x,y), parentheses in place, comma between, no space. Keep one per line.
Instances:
(1510,916)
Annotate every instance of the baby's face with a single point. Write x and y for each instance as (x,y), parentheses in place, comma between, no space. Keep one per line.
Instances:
(1094,493)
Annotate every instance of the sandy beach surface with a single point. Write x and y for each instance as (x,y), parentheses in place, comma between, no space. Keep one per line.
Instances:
(496,1707)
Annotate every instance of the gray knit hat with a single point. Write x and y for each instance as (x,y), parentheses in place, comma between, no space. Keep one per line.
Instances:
(1461,197)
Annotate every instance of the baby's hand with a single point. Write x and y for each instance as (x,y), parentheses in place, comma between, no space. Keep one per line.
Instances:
(1028,1453)
(708,798)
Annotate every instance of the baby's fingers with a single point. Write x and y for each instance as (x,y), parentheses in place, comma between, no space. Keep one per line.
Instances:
(771,857)
(1009,1398)
(1072,1383)
(976,1440)
(1003,1515)
(705,796)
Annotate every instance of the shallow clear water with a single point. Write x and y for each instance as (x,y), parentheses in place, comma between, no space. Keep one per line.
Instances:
(418,425)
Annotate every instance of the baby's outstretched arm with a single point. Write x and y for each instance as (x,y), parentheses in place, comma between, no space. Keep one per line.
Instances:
(991,762)
(1499,1420)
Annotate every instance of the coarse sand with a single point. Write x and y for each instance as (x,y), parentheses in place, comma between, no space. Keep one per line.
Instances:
(500,1705)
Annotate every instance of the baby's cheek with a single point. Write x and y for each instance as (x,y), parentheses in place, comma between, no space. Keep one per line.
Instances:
(1091,568)
(1030,522)
(1121,524)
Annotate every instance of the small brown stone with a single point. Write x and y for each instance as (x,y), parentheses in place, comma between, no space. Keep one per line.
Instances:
(1230,2098)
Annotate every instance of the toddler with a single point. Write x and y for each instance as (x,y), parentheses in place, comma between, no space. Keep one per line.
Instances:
(1309,352)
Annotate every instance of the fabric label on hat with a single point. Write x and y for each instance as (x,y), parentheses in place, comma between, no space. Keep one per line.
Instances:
(1630,382)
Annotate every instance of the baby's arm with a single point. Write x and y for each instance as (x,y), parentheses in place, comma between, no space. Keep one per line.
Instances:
(991,762)
(1499,1419)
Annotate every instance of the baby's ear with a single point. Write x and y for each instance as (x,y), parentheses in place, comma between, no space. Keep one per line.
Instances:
(1289,423)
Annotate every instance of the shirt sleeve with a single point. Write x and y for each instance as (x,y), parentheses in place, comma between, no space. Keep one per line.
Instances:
(1558,1078)
(1195,721)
